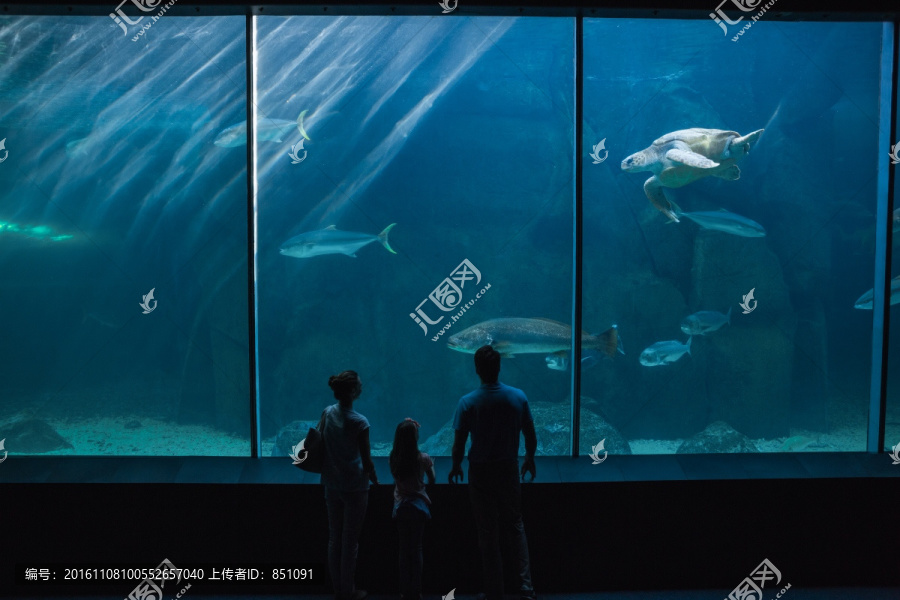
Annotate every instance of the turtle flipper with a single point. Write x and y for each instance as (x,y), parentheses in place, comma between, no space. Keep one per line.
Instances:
(658,199)
(690,159)
(732,173)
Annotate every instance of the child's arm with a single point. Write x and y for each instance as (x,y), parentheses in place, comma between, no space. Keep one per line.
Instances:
(429,472)
(365,452)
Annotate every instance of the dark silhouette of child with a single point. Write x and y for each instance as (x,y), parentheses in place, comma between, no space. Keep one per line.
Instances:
(409,467)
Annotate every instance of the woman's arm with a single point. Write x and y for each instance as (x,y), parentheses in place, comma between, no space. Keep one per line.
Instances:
(366,453)
(430,473)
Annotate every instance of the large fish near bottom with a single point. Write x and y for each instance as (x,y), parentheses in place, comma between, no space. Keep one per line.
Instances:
(724,221)
(331,240)
(513,335)
(865,302)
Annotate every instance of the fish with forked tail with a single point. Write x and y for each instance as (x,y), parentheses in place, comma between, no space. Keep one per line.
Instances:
(267,130)
(724,221)
(331,240)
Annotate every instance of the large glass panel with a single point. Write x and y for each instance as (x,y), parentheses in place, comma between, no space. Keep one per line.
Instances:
(122,236)
(737,320)
(428,143)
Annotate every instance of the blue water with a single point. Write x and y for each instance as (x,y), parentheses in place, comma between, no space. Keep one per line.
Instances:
(460,131)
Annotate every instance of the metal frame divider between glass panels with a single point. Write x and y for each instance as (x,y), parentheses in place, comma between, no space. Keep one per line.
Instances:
(251,233)
(883,233)
(577,238)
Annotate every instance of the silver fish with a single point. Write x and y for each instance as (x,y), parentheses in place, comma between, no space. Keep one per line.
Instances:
(705,321)
(267,130)
(560,360)
(726,222)
(663,353)
(865,302)
(511,336)
(333,241)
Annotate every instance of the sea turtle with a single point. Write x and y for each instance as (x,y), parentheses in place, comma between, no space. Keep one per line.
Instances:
(680,157)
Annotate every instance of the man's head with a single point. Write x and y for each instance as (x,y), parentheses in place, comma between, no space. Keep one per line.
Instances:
(487,364)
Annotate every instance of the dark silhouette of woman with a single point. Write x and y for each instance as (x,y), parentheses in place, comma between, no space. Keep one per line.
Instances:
(346,473)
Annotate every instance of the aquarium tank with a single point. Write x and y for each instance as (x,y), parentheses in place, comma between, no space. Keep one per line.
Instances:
(408,193)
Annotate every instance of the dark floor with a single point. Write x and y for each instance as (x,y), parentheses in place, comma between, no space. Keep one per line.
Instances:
(790,594)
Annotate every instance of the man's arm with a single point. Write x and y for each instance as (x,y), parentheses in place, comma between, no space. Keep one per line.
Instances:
(530,449)
(459,451)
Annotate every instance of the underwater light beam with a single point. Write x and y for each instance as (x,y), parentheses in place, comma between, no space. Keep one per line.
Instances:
(774,114)
(371,166)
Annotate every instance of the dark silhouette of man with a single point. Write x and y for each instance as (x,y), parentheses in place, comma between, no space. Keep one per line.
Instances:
(495,414)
